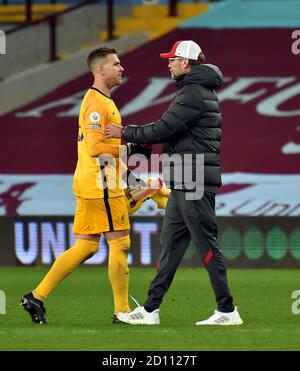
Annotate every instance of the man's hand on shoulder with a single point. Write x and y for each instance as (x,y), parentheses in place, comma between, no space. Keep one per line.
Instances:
(113,131)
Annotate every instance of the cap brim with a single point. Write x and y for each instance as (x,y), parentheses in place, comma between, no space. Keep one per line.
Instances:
(167,55)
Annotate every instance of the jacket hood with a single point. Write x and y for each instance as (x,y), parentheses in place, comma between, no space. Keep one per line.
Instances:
(206,75)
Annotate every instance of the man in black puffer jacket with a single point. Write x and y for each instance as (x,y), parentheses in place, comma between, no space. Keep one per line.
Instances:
(191,130)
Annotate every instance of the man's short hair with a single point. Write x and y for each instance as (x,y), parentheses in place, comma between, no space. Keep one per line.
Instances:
(97,54)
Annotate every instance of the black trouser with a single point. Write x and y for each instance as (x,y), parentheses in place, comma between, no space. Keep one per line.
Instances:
(186,219)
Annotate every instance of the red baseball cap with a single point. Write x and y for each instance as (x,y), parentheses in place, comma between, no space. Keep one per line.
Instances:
(185,49)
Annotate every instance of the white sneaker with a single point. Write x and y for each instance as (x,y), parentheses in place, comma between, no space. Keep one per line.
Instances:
(139,316)
(223,319)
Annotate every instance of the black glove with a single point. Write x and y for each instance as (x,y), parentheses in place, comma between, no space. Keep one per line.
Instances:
(134,148)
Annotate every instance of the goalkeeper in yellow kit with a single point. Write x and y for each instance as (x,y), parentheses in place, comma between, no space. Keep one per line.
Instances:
(102,206)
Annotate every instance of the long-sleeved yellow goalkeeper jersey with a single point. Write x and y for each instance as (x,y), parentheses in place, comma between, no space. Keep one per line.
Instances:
(97,173)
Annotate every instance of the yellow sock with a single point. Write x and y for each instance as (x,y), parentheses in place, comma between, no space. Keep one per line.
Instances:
(118,272)
(64,265)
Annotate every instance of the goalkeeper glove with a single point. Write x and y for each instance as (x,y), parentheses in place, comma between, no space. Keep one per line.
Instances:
(139,192)
(161,197)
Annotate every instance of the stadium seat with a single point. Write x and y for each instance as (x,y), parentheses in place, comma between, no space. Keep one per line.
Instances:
(16,13)
(155,19)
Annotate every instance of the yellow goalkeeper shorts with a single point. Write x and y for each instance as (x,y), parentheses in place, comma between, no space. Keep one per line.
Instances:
(95,216)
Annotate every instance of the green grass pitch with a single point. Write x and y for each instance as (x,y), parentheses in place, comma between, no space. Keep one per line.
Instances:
(80,309)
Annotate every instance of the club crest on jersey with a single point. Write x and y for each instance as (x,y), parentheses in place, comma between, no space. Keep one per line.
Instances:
(95,117)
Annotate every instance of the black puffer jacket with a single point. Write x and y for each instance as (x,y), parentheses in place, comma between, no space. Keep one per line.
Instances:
(192,123)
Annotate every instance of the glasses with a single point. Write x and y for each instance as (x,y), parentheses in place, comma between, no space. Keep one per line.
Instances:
(174,59)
